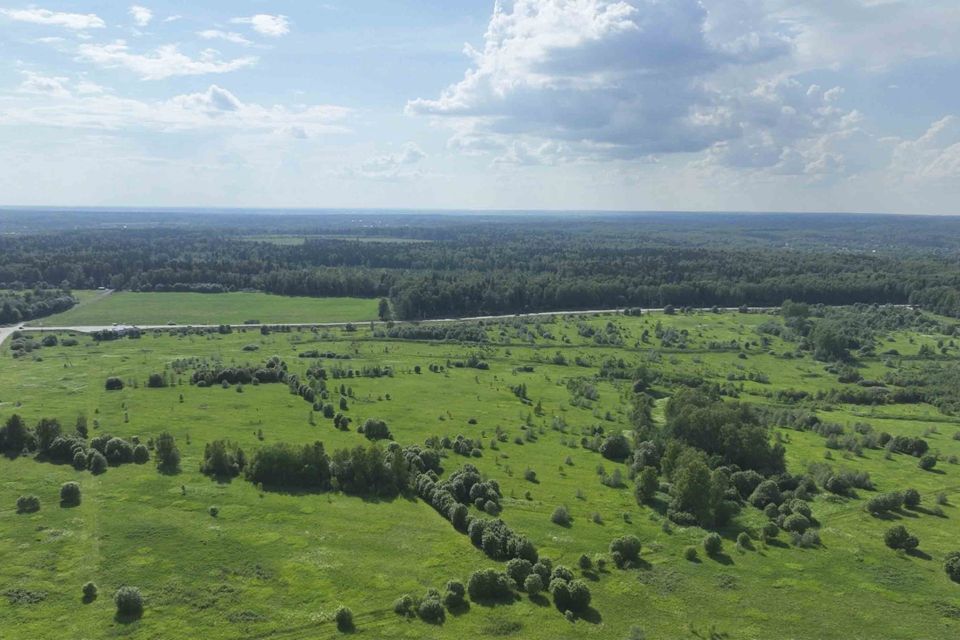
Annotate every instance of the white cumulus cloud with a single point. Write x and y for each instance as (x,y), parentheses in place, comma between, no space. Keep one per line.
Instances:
(141,15)
(163,62)
(266,24)
(76,21)
(228,36)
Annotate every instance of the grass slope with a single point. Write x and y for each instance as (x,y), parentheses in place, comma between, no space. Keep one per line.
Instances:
(276,565)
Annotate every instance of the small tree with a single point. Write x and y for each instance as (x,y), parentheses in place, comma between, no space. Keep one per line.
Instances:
(114,384)
(646,485)
(712,544)
(167,453)
(627,548)
(690,554)
(927,462)
(69,494)
(129,601)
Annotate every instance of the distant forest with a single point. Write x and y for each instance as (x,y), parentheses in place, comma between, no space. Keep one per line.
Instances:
(440,265)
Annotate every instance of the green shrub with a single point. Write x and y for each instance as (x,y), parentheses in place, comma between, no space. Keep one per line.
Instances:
(488,584)
(743,540)
(899,538)
(344,618)
(561,516)
(113,384)
(28,504)
(141,455)
(129,601)
(533,584)
(70,494)
(627,547)
(518,569)
(96,463)
(911,498)
(952,565)
(796,523)
(404,606)
(430,610)
(454,594)
(89,591)
(586,564)
(712,544)
(690,554)
(927,462)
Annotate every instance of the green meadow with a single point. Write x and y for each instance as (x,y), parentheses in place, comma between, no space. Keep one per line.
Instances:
(274,564)
(209,308)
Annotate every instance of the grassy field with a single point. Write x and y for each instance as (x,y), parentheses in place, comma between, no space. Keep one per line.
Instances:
(203,308)
(276,565)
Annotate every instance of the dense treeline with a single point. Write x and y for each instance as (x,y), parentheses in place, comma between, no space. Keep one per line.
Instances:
(17,306)
(470,267)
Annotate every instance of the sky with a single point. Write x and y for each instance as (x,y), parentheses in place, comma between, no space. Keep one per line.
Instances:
(693,105)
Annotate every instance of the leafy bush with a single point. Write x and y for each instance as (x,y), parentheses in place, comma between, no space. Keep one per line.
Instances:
(344,619)
(118,451)
(113,384)
(534,584)
(141,455)
(952,565)
(129,601)
(167,453)
(911,498)
(712,544)
(89,591)
(430,610)
(561,516)
(518,569)
(690,553)
(488,584)
(899,538)
(404,606)
(628,548)
(454,594)
(222,459)
(70,494)
(97,463)
(927,462)
(28,504)
(885,502)
(375,430)
(767,492)
(796,523)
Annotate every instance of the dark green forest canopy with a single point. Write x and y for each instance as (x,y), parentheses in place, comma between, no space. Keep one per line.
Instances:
(448,265)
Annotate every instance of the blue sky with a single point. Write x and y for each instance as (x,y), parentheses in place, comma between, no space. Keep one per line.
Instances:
(747,105)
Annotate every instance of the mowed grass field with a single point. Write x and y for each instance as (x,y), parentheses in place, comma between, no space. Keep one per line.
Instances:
(276,565)
(126,307)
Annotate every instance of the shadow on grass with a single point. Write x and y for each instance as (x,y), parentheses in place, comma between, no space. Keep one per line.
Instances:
(87,599)
(498,601)
(722,558)
(460,609)
(590,615)
(127,618)
(917,553)
(540,600)
(591,576)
